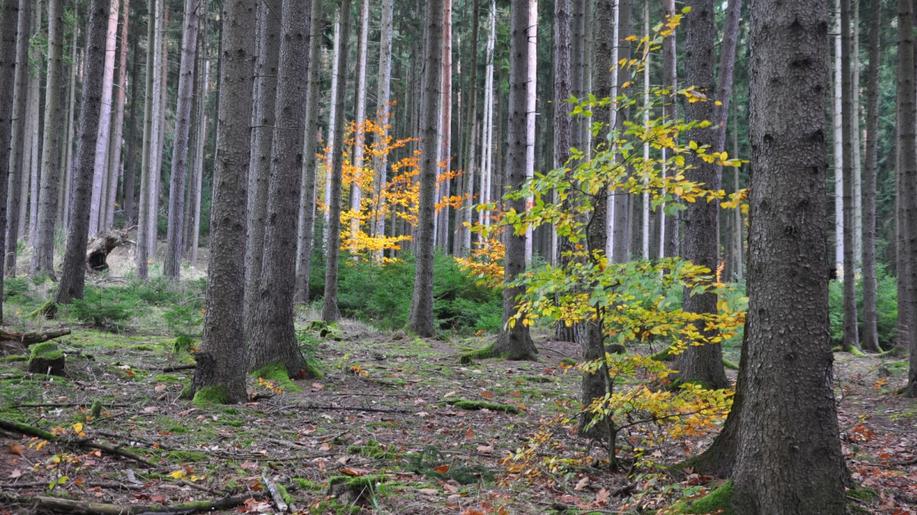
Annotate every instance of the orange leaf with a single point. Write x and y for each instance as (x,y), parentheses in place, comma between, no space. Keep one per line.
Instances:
(442,469)
(16,448)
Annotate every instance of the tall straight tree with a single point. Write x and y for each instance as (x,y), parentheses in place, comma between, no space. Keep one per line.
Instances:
(421,317)
(383,107)
(789,454)
(907,171)
(259,167)
(9,18)
(359,136)
(271,335)
(668,241)
(330,311)
(305,232)
(838,124)
(444,150)
(142,253)
(701,364)
(17,137)
(104,139)
(115,162)
(514,341)
(221,363)
(851,339)
(172,265)
(531,91)
(487,124)
(563,122)
(73,273)
(870,316)
(43,245)
(201,138)
(332,128)
(463,232)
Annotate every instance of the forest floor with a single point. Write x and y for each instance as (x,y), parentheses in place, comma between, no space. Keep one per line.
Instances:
(386,411)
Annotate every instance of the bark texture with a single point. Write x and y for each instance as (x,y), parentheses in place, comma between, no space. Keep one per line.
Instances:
(9,17)
(789,455)
(271,335)
(515,342)
(851,338)
(221,361)
(870,315)
(17,134)
(701,364)
(73,272)
(421,317)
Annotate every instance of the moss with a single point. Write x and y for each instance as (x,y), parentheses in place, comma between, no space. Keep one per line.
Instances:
(167,378)
(474,355)
(730,365)
(863,493)
(12,358)
(335,507)
(479,405)
(46,350)
(284,494)
(187,392)
(373,449)
(717,500)
(210,395)
(539,379)
(301,483)
(568,362)
(96,409)
(186,456)
(277,374)
(47,310)
(359,484)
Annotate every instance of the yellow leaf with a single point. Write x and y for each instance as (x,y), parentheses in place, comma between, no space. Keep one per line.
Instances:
(177,474)
(78,427)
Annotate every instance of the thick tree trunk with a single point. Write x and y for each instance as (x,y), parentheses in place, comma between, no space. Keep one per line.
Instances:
(269,27)
(221,362)
(73,273)
(563,121)
(330,311)
(359,136)
(272,336)
(421,317)
(515,342)
(306,230)
(104,139)
(870,315)
(33,149)
(789,455)
(14,161)
(907,170)
(172,264)
(9,19)
(851,338)
(701,364)
(838,148)
(43,245)
(383,99)
(143,208)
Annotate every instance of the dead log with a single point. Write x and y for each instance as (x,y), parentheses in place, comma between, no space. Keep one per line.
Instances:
(102,245)
(25,429)
(32,337)
(44,504)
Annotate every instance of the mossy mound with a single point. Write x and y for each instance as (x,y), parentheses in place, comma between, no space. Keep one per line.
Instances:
(277,374)
(355,490)
(47,358)
(471,405)
(209,396)
(717,501)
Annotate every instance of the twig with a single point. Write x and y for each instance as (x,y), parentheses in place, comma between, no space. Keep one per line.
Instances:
(26,429)
(92,484)
(44,504)
(176,368)
(309,407)
(275,494)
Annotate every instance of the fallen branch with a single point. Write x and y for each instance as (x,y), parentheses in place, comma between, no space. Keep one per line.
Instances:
(91,484)
(178,368)
(316,407)
(26,429)
(32,337)
(43,503)
(275,494)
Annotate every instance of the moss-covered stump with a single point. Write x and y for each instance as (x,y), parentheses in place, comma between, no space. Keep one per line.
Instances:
(718,500)
(355,490)
(47,358)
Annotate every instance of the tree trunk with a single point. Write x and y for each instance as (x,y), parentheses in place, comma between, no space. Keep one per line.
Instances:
(487,131)
(34,148)
(907,163)
(515,342)
(701,364)
(128,199)
(330,311)
(115,163)
(359,136)
(856,137)
(306,229)
(14,161)
(838,131)
(269,27)
(851,339)
(73,273)
(221,363)
(143,208)
(9,20)
(172,264)
(421,317)
(531,91)
(199,146)
(563,121)
(383,99)
(272,336)
(104,139)
(67,154)
(462,246)
(332,128)
(43,245)
(645,201)
(668,243)
(444,148)
(617,246)
(789,455)
(870,315)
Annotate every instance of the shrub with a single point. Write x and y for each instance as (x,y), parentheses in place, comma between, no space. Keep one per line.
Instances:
(886,307)
(103,309)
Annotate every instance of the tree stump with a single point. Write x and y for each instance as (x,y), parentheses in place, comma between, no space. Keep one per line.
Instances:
(47,358)
(101,246)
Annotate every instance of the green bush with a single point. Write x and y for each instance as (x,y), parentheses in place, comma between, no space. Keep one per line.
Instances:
(886,308)
(381,295)
(104,309)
